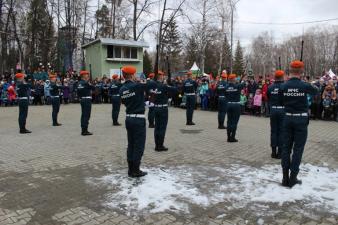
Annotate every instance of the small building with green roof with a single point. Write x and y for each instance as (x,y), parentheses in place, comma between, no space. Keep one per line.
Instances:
(106,56)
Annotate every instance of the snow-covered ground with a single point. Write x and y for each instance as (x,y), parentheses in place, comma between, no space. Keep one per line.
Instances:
(238,186)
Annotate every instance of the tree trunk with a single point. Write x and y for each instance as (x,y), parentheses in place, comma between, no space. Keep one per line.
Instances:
(4,35)
(135,20)
(84,33)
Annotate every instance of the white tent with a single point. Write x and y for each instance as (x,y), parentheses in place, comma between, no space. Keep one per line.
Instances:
(331,74)
(194,67)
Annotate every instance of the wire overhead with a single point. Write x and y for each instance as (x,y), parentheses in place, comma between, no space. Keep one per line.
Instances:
(288,23)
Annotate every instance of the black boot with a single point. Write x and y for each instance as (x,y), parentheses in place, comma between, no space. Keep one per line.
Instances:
(293,180)
(274,153)
(25,131)
(159,145)
(229,135)
(116,123)
(57,124)
(85,132)
(151,126)
(190,123)
(279,153)
(286,179)
(136,172)
(233,135)
(221,126)
(130,168)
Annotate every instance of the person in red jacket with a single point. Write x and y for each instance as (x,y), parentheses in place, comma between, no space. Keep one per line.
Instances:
(265,97)
(11,94)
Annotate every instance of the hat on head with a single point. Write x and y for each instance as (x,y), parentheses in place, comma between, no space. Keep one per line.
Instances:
(189,72)
(224,75)
(115,76)
(19,75)
(151,75)
(84,72)
(296,64)
(279,73)
(232,76)
(131,70)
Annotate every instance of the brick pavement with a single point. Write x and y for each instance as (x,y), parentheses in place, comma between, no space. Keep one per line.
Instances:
(43,175)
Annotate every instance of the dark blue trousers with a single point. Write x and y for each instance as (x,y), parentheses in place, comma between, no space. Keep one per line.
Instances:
(222,110)
(190,105)
(295,128)
(116,103)
(136,132)
(86,108)
(151,115)
(234,112)
(161,121)
(23,112)
(276,124)
(55,109)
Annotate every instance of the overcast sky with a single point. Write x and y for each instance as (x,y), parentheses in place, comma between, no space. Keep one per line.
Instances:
(281,11)
(267,11)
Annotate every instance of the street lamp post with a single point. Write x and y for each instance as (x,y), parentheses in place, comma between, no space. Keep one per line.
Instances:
(232,31)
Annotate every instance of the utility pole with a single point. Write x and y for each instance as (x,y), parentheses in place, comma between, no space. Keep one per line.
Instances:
(204,30)
(232,31)
(222,47)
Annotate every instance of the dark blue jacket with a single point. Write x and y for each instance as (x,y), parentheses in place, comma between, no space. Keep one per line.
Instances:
(189,86)
(294,95)
(114,88)
(233,92)
(54,89)
(273,94)
(132,96)
(84,89)
(22,89)
(221,87)
(161,93)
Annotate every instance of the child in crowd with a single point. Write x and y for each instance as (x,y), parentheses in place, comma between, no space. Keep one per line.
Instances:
(243,101)
(257,102)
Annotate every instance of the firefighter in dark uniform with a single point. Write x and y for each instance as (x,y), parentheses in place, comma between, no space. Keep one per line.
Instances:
(294,97)
(276,115)
(151,86)
(55,98)
(84,90)
(189,89)
(222,101)
(161,111)
(232,94)
(114,90)
(22,89)
(132,96)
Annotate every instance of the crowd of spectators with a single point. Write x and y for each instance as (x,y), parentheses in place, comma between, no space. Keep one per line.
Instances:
(254,99)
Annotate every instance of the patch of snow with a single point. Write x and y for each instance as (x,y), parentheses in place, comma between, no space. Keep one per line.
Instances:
(176,189)
(260,221)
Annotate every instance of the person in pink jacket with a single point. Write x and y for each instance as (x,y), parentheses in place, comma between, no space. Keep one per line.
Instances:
(257,102)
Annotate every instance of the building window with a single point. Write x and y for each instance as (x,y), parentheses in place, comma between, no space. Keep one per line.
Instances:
(110,51)
(117,52)
(121,52)
(134,53)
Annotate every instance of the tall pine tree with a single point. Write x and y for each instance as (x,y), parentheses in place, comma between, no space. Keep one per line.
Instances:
(172,45)
(147,65)
(238,67)
(226,55)
(103,20)
(41,29)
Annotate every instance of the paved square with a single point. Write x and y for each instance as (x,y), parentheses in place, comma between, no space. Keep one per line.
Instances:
(56,176)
